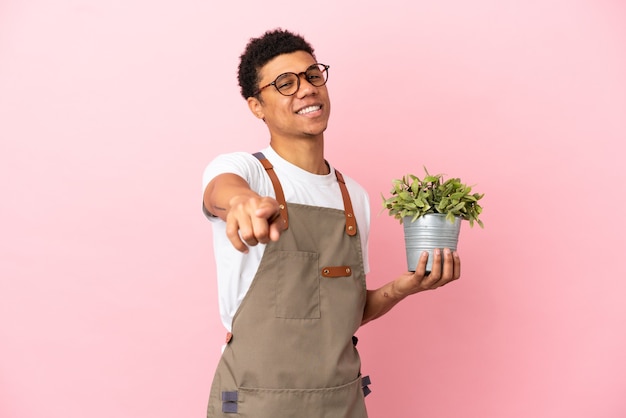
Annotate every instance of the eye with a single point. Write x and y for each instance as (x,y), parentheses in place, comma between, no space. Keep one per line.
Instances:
(285,82)
(313,74)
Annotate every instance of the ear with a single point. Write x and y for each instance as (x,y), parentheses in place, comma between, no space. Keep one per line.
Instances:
(256,107)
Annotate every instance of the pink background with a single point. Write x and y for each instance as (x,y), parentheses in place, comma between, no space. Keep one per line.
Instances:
(110,110)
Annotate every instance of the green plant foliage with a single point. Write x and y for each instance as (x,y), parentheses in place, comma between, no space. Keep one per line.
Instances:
(415,197)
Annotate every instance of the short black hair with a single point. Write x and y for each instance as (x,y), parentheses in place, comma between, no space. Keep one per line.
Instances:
(263,49)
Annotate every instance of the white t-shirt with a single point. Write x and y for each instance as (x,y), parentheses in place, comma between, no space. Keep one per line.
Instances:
(235,270)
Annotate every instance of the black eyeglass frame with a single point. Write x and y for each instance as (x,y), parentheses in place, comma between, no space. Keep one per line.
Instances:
(273,83)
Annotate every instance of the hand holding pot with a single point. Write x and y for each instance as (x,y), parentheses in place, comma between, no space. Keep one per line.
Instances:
(441,273)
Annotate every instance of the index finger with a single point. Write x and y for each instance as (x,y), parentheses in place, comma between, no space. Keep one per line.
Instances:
(269,210)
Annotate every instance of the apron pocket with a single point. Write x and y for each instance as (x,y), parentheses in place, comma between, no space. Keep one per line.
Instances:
(297,285)
(344,401)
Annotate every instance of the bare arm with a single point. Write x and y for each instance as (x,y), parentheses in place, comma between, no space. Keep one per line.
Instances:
(250,218)
(380,301)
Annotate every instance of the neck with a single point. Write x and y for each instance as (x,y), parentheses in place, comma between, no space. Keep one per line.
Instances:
(308,154)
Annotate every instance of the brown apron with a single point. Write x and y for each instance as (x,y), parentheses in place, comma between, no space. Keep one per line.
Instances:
(292,352)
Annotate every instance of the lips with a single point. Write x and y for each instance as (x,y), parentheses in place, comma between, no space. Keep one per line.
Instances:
(309,109)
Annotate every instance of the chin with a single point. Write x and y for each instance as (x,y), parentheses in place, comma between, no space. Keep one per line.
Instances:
(319,128)
(316,132)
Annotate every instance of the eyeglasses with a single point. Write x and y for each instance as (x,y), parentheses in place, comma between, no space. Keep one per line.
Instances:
(288,84)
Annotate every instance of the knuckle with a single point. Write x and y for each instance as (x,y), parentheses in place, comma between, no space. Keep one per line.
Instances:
(247,235)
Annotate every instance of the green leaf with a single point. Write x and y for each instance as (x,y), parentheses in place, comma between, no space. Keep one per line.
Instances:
(458,206)
(413,197)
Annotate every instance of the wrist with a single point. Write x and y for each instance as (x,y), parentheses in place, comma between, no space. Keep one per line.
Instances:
(395,291)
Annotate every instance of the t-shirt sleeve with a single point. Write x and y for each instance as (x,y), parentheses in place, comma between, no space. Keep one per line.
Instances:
(240,163)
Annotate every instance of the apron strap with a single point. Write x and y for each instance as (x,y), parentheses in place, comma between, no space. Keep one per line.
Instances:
(280,196)
(278,189)
(229,402)
(365,382)
(347,204)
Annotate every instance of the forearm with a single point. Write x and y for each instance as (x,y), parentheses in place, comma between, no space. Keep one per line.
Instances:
(380,301)
(220,192)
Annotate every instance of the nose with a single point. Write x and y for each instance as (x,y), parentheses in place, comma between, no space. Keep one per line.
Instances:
(306,88)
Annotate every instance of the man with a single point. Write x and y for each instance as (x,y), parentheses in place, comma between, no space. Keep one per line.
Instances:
(290,237)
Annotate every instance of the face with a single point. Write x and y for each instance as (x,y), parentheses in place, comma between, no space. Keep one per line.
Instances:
(302,115)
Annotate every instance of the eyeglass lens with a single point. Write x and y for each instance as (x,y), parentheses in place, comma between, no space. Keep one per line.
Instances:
(289,83)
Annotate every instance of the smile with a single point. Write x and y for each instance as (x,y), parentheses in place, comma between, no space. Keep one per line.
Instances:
(308,109)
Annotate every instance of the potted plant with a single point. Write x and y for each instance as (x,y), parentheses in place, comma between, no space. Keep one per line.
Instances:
(431,210)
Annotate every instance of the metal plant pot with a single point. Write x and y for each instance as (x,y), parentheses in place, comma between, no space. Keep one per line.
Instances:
(427,233)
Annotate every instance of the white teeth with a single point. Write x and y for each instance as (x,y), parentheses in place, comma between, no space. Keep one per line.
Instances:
(308,109)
